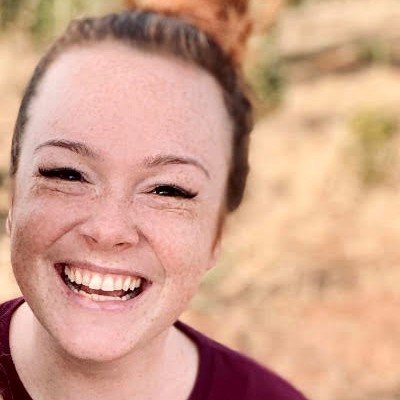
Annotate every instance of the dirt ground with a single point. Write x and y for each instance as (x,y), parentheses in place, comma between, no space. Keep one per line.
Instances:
(308,283)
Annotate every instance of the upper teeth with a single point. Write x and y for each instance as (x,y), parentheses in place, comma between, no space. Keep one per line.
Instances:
(108,282)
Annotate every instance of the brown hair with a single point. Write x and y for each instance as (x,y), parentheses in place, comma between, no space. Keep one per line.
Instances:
(160,32)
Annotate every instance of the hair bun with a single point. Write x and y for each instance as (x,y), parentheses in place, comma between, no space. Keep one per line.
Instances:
(227,21)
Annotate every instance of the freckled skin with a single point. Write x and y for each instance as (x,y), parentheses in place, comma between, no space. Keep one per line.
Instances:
(125,105)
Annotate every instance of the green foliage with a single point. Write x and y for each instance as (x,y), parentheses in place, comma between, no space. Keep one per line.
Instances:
(295,3)
(373,132)
(374,52)
(209,297)
(44,19)
(266,75)
(9,10)
(3,178)
(269,82)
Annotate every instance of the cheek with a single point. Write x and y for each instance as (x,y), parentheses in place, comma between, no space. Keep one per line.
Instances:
(38,222)
(184,249)
(184,243)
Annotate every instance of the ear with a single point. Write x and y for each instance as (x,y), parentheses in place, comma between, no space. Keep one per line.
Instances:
(216,246)
(216,252)
(11,202)
(8,223)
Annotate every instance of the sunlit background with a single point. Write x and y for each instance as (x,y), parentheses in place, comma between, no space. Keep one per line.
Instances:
(309,280)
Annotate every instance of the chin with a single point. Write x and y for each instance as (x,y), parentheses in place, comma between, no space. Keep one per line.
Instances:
(94,346)
(92,339)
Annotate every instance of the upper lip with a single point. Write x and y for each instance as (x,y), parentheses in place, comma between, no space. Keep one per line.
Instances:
(101,269)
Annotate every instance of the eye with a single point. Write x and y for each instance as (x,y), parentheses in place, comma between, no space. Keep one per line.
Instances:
(65,174)
(173,191)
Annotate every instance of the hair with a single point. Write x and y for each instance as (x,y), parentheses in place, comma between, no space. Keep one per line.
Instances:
(165,31)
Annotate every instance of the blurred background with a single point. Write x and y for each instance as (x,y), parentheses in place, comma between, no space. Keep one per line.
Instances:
(309,280)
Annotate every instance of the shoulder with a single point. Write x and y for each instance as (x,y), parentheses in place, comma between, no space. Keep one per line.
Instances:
(249,377)
(230,374)
(10,385)
(7,309)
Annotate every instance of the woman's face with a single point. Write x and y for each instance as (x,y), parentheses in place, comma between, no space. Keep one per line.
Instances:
(122,173)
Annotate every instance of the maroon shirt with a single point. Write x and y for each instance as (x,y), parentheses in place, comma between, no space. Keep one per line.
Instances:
(223,373)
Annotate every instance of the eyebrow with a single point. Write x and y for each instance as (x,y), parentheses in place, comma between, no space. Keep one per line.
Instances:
(167,159)
(77,147)
(151,161)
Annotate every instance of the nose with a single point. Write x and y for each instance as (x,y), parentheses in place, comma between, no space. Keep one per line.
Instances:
(109,227)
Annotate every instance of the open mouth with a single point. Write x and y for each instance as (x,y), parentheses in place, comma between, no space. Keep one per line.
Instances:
(101,287)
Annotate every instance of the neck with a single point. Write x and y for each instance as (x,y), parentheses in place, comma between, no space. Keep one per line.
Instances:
(169,357)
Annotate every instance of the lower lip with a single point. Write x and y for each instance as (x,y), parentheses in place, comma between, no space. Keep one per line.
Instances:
(85,302)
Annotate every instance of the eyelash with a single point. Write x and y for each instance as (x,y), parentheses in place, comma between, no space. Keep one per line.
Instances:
(62,173)
(174,191)
(67,173)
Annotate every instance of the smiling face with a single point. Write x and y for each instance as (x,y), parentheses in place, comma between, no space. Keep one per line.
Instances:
(122,172)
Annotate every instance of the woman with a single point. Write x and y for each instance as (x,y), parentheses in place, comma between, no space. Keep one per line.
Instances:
(129,150)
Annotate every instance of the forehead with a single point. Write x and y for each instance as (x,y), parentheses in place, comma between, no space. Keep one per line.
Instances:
(110,94)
